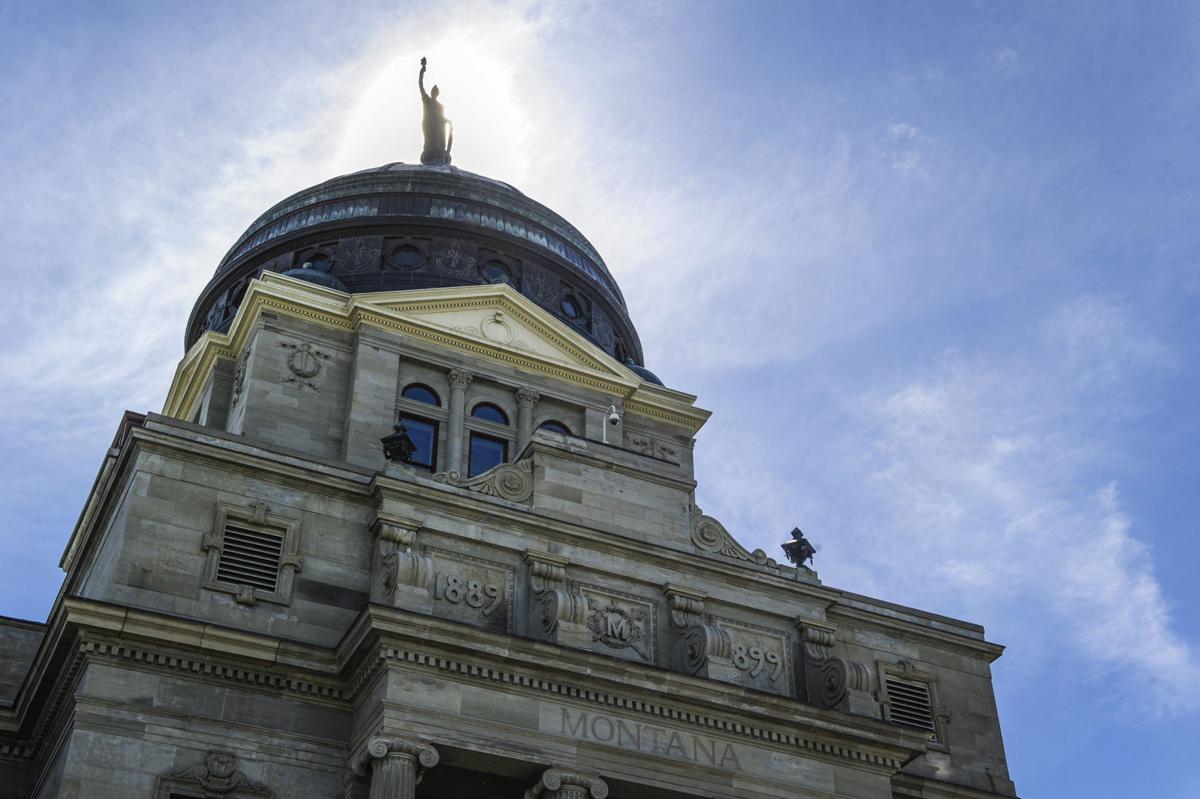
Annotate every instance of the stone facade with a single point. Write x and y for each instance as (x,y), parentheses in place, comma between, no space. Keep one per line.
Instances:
(568,624)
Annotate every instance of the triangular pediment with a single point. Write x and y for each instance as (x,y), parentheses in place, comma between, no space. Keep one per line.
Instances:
(495,319)
(493,322)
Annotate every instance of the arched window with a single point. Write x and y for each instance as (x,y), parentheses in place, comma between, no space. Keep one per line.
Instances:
(489,413)
(554,427)
(420,392)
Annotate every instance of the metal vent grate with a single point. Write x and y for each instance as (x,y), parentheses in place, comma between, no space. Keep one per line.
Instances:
(911,705)
(250,557)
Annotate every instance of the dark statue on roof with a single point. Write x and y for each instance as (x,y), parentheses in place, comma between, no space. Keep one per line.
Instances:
(398,446)
(799,549)
(439,131)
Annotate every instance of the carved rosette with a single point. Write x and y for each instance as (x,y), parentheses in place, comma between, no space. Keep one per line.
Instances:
(394,765)
(510,481)
(710,536)
(561,784)
(401,575)
(698,644)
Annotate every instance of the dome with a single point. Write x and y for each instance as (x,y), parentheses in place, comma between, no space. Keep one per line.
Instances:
(405,226)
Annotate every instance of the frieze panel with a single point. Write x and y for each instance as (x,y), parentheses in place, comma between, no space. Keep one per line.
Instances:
(761,656)
(473,591)
(622,625)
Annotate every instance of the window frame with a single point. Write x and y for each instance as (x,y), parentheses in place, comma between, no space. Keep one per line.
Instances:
(256,517)
(485,403)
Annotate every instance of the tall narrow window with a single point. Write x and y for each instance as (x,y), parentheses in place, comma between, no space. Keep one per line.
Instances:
(424,435)
(486,453)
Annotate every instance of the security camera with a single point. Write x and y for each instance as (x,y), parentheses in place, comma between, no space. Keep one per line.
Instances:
(614,418)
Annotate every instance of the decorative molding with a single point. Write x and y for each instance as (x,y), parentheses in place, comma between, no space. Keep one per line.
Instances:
(559,784)
(709,535)
(510,481)
(217,776)
(558,615)
(401,575)
(823,679)
(700,648)
(654,710)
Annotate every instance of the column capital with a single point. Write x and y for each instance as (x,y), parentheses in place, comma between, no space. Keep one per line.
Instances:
(561,784)
(380,748)
(527,397)
(460,379)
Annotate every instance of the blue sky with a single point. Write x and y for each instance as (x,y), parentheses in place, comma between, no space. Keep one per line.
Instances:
(934,266)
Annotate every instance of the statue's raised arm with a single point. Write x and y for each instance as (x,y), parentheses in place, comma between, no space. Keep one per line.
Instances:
(434,125)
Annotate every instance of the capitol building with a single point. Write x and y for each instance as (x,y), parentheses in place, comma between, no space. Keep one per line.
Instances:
(416,520)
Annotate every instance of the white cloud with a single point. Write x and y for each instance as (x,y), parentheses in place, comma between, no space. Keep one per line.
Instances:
(977,494)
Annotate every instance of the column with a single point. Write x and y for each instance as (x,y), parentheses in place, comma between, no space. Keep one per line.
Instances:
(526,399)
(559,784)
(394,766)
(459,380)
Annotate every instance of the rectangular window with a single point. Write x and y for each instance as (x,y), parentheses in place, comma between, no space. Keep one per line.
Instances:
(486,453)
(423,434)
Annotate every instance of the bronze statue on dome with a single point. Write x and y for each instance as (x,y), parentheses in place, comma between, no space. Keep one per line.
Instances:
(439,131)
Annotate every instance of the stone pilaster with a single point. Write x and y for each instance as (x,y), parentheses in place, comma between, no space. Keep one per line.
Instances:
(459,380)
(699,648)
(394,766)
(556,614)
(526,399)
(401,576)
(561,784)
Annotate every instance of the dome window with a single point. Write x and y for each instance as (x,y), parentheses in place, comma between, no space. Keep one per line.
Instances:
(496,272)
(418,392)
(490,413)
(405,257)
(570,307)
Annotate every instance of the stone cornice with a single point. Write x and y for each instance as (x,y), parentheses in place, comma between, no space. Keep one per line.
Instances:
(384,636)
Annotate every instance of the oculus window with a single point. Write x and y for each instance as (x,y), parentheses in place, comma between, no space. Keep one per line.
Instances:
(570,307)
(490,413)
(405,257)
(486,453)
(496,272)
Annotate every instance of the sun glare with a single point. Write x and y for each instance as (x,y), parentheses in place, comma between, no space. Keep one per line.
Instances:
(478,89)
